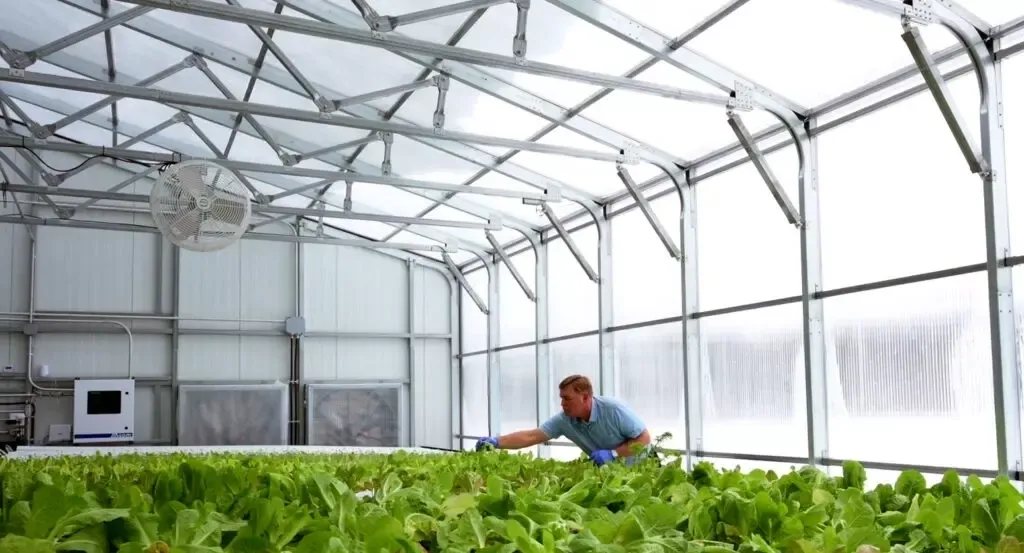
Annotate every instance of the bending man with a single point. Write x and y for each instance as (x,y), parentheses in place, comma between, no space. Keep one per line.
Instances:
(603,427)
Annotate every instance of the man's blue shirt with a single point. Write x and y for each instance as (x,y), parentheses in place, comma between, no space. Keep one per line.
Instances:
(611,423)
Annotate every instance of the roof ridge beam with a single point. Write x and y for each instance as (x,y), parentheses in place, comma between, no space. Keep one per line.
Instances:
(188,42)
(393,41)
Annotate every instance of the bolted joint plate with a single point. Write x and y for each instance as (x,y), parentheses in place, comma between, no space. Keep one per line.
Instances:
(920,11)
(743,99)
(17,59)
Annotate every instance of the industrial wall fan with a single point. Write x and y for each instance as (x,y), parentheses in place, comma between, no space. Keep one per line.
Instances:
(200,206)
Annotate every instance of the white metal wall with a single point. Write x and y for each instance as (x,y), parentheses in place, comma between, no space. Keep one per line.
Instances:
(361,325)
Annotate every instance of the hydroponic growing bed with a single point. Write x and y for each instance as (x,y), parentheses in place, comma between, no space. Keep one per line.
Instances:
(487,502)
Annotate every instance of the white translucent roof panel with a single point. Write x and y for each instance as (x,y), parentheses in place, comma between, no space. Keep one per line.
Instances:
(415,160)
(994,12)
(343,67)
(829,56)
(553,36)
(685,129)
(670,18)
(469,110)
(45,21)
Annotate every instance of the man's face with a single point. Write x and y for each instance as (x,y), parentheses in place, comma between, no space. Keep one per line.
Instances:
(574,404)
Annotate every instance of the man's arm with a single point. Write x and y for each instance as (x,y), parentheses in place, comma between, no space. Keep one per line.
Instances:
(521,439)
(631,425)
(624,450)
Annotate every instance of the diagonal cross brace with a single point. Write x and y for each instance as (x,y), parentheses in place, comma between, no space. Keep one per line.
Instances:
(465,283)
(573,248)
(645,208)
(765,170)
(511,266)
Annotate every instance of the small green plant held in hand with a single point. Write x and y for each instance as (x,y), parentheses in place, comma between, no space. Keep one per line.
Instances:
(469,503)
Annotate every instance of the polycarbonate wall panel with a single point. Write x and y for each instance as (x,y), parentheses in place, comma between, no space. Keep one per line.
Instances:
(517,314)
(474,396)
(752,380)
(474,321)
(897,197)
(910,372)
(572,296)
(518,389)
(746,249)
(649,362)
(647,278)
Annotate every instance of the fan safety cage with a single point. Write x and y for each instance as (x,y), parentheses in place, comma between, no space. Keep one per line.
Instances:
(254,414)
(200,206)
(357,415)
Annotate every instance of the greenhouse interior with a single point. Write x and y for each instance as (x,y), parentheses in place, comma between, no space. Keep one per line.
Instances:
(306,275)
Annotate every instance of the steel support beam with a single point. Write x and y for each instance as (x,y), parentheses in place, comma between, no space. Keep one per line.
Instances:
(98,225)
(49,130)
(570,243)
(763,168)
(256,209)
(238,61)
(144,155)
(609,382)
(656,44)
(330,119)
(1002,318)
(541,312)
(816,386)
(273,180)
(393,42)
(693,382)
(511,266)
(1006,375)
(494,399)
(645,208)
(298,158)
(497,87)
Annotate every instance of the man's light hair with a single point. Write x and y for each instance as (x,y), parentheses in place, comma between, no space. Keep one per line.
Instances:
(577,383)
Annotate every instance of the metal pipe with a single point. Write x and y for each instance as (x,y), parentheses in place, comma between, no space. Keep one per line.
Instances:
(129,316)
(28,369)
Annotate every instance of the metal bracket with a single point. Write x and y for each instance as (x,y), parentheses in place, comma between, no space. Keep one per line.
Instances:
(519,41)
(323,104)
(347,204)
(385,166)
(64,213)
(442,83)
(920,11)
(17,59)
(743,99)
(629,154)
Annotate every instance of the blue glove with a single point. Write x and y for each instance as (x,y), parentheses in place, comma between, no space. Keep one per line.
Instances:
(602,456)
(480,443)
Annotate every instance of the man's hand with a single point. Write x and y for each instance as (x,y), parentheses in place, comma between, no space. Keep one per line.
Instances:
(484,441)
(602,456)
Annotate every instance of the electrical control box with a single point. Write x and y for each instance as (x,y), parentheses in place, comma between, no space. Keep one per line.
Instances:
(104,411)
